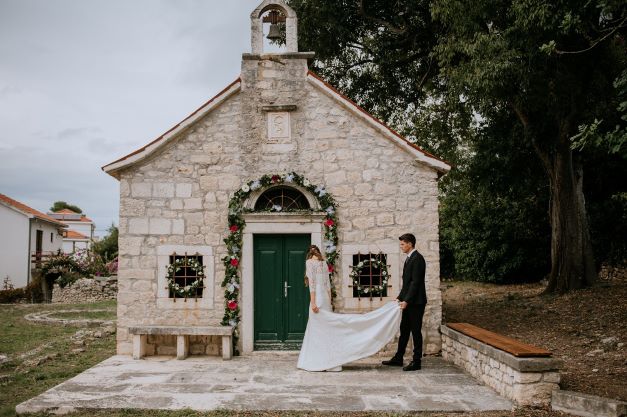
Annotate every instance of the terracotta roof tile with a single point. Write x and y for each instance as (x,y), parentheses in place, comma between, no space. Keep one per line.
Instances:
(28,210)
(73,234)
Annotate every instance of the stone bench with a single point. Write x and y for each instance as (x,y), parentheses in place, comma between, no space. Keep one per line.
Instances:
(182,333)
(523,373)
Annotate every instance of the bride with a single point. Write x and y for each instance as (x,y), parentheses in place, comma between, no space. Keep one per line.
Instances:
(331,339)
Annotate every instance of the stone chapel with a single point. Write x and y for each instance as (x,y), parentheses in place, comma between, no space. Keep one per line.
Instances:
(216,215)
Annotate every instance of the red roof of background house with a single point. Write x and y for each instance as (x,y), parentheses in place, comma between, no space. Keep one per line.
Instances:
(68,211)
(65,211)
(73,234)
(28,210)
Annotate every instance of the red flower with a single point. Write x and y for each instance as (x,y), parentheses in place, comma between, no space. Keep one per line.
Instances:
(329,222)
(234,228)
(331,269)
(232,305)
(234,262)
(275,178)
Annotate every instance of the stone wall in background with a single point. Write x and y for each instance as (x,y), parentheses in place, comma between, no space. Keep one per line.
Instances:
(86,290)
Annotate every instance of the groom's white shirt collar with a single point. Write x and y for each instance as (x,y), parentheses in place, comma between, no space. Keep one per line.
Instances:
(411,252)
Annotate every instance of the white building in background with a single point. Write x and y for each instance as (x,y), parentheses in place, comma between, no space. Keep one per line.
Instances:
(25,232)
(80,231)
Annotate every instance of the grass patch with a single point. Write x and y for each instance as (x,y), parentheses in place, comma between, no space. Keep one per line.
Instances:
(20,337)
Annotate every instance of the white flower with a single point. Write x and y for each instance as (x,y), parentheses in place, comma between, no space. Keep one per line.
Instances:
(322,192)
(245,188)
(330,210)
(366,290)
(255,185)
(289,178)
(276,207)
(230,288)
(306,182)
(235,284)
(187,287)
(360,264)
(232,323)
(235,249)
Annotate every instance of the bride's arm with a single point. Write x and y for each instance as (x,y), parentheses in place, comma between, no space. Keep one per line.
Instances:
(311,276)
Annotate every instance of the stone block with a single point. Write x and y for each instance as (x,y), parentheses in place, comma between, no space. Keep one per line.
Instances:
(130,245)
(178,226)
(176,204)
(184,190)
(163,190)
(159,226)
(535,394)
(587,405)
(132,207)
(138,226)
(141,189)
(192,203)
(385,219)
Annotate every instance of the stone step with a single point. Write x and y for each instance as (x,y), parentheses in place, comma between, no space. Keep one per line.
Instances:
(586,405)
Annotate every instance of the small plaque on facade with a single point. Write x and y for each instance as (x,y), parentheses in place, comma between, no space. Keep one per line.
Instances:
(279,127)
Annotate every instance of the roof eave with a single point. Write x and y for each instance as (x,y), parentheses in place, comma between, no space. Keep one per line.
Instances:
(141,154)
(421,156)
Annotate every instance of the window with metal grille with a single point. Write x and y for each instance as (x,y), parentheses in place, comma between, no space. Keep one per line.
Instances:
(371,277)
(186,276)
(282,199)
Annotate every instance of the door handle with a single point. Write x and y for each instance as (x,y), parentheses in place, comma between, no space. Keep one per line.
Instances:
(285,287)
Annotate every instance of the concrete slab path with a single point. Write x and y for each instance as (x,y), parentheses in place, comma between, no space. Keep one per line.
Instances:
(265,381)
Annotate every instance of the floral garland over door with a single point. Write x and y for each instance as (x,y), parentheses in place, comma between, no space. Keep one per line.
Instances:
(231,282)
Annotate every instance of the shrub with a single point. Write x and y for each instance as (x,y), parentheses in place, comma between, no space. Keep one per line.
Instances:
(12,296)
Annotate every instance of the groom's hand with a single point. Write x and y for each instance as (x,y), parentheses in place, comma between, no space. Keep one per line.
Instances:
(403,305)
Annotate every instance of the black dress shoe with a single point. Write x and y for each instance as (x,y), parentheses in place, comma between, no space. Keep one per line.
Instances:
(413,366)
(393,362)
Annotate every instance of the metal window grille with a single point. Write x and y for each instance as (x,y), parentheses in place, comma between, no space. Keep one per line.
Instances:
(289,199)
(186,275)
(370,276)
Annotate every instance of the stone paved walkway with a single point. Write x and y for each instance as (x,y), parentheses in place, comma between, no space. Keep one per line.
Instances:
(265,381)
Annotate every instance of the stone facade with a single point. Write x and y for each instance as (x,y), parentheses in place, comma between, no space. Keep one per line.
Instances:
(178,193)
(86,290)
(527,381)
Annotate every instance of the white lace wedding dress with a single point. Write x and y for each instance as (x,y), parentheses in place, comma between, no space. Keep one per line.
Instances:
(332,339)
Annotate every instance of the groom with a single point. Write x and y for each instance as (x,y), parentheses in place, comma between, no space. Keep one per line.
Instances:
(412,299)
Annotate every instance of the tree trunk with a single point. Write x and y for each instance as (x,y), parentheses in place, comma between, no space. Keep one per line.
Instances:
(572,262)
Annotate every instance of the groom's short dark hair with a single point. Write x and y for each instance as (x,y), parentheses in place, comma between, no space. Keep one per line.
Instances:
(409,238)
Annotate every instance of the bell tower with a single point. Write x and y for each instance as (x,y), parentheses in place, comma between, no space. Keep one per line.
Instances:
(273,85)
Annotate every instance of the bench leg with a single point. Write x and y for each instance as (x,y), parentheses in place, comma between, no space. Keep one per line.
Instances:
(182,346)
(227,348)
(139,346)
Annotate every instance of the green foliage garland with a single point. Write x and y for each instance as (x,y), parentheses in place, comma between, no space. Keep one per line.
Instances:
(375,289)
(190,289)
(231,282)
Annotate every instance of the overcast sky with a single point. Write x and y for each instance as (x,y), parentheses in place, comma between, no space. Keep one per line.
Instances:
(84,82)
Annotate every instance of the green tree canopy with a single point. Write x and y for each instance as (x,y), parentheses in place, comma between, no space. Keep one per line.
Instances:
(464,67)
(107,247)
(60,205)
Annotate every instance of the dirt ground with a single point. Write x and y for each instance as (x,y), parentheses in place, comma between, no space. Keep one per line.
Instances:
(586,329)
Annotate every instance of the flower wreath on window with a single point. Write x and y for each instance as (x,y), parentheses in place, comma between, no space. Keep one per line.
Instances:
(367,289)
(231,282)
(188,290)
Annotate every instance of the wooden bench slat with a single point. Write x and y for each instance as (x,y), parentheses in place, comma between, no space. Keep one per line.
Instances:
(498,341)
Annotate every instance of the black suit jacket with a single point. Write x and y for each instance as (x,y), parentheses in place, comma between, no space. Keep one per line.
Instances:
(413,290)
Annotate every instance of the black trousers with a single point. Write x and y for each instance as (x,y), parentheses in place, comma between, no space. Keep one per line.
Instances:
(411,322)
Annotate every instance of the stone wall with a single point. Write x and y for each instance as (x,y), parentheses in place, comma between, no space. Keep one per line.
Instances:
(526,381)
(86,290)
(180,194)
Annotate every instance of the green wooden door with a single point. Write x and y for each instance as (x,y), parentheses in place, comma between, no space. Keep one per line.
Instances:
(281,299)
